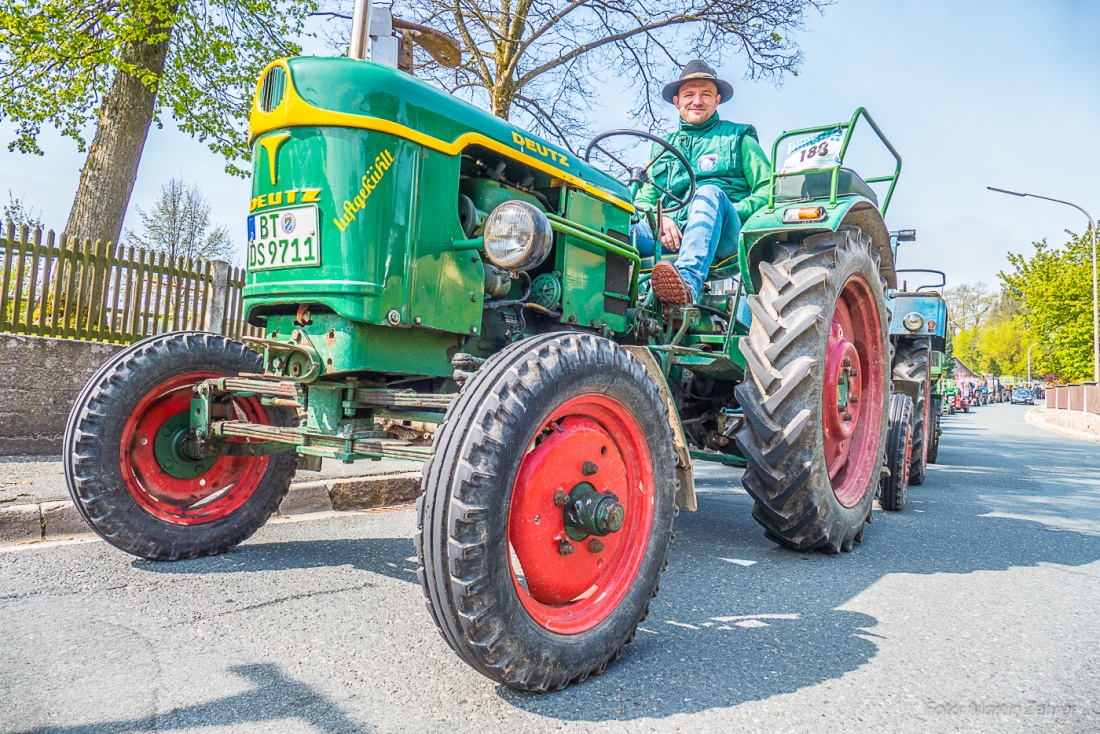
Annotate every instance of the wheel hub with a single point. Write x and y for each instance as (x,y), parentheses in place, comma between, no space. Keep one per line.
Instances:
(171,448)
(589,512)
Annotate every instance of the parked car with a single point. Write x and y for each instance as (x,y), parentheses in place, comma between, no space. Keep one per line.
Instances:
(1022,397)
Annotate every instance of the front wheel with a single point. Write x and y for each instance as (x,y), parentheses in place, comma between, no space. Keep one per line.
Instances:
(126,460)
(547,511)
(935,431)
(911,364)
(816,392)
(899,451)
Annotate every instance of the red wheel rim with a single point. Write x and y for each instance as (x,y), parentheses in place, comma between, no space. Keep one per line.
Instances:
(211,495)
(904,468)
(853,394)
(569,594)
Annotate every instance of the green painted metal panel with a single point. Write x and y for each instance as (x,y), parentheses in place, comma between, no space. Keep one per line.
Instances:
(363,88)
(585,268)
(345,346)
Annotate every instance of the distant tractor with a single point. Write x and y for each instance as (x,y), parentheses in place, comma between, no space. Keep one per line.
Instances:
(918,330)
(412,257)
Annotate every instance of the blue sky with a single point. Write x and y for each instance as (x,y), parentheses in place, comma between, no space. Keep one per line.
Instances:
(971,92)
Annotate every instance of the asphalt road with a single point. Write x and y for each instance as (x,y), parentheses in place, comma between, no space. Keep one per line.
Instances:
(975,609)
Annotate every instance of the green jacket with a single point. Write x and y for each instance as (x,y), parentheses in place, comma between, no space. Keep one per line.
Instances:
(726,154)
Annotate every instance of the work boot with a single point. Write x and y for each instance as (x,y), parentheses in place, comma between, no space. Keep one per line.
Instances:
(668,284)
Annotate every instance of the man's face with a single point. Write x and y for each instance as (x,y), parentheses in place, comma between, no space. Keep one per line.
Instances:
(697,101)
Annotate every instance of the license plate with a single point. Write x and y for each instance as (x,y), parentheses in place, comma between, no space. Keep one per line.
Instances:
(284,238)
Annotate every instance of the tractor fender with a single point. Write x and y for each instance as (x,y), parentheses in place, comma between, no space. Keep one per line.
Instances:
(866,216)
(765,228)
(685,495)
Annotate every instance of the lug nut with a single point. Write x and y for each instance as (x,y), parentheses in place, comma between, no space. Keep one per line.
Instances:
(847,416)
(847,362)
(565,547)
(854,398)
(595,545)
(561,498)
(854,373)
(589,469)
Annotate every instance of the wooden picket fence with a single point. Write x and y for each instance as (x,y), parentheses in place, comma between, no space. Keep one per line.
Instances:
(71,289)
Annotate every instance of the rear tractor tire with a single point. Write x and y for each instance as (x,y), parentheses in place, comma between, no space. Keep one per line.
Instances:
(123,462)
(816,393)
(547,511)
(911,363)
(899,450)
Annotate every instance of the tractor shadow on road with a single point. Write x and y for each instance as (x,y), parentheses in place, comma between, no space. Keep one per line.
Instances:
(273,697)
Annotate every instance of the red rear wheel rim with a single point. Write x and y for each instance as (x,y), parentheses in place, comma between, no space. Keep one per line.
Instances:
(216,492)
(904,468)
(569,594)
(853,395)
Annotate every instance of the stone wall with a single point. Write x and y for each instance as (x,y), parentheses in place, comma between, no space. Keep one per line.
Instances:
(1077,420)
(42,378)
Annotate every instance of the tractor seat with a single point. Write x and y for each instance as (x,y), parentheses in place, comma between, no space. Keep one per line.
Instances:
(815,185)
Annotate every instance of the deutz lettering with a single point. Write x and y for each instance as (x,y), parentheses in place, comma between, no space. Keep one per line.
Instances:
(277,198)
(544,151)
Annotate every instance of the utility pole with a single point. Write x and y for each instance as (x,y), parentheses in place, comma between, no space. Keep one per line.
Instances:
(1095,289)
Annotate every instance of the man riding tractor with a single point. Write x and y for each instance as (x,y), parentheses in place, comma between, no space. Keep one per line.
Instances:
(732,174)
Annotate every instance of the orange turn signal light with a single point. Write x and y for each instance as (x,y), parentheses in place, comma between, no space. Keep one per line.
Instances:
(803,214)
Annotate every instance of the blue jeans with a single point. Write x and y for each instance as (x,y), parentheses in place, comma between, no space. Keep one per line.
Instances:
(712,231)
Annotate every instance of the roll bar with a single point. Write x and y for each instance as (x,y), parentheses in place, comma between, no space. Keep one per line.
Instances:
(848,127)
(941,284)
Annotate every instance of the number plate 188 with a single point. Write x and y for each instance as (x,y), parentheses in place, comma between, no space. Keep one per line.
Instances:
(284,238)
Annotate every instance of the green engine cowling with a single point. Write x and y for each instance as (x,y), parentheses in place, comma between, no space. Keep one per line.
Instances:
(390,180)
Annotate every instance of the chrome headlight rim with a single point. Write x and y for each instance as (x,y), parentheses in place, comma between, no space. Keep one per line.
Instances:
(517,236)
(913,321)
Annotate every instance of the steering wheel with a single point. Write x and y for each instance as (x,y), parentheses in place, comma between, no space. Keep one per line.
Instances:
(640,175)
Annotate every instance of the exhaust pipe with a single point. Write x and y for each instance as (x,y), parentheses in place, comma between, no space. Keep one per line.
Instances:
(360,31)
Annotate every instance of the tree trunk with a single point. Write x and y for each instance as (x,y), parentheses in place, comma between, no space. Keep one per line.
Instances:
(107,179)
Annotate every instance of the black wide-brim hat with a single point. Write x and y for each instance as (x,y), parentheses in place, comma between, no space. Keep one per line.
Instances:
(697,69)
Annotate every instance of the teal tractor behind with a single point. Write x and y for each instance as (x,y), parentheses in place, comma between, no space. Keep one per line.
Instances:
(918,331)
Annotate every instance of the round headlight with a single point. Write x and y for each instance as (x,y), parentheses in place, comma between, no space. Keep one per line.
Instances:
(517,236)
(913,321)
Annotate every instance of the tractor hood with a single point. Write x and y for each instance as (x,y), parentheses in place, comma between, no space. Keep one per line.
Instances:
(340,92)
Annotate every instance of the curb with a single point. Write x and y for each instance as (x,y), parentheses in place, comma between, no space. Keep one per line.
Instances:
(1033,417)
(58,520)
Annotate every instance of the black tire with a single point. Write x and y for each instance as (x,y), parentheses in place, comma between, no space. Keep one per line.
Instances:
(465,551)
(911,363)
(899,445)
(934,434)
(93,446)
(783,437)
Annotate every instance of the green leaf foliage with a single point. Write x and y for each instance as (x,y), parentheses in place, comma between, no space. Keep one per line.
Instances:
(1054,286)
(179,225)
(58,58)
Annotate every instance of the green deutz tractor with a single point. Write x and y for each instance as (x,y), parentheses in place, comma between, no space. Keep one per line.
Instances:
(414,258)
